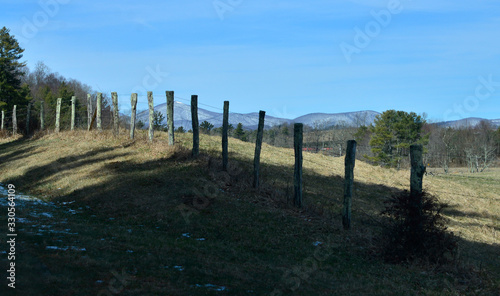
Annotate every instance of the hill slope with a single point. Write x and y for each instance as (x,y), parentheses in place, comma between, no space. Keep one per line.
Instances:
(172,225)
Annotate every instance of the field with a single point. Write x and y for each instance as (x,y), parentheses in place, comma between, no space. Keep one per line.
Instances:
(125,217)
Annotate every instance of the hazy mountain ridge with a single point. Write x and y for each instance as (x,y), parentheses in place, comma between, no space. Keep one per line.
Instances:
(468,122)
(182,117)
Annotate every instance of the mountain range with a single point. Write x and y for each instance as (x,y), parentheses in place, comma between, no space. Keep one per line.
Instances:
(182,117)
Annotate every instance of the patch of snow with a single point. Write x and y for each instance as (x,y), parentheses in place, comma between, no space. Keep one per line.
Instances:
(22,220)
(65,248)
(212,287)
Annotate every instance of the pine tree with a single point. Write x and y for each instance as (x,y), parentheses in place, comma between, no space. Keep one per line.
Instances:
(239,133)
(206,127)
(392,135)
(158,119)
(11,91)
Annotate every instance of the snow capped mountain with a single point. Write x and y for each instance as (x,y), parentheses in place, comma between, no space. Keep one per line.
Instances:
(182,117)
(345,119)
(468,122)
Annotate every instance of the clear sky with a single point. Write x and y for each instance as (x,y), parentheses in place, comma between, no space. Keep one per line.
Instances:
(288,58)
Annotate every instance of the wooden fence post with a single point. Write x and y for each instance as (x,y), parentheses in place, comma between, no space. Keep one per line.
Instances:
(417,171)
(258,147)
(42,115)
(297,174)
(116,119)
(89,111)
(14,120)
(133,102)
(3,118)
(58,115)
(151,115)
(350,159)
(416,175)
(170,117)
(196,125)
(73,102)
(99,112)
(28,115)
(225,127)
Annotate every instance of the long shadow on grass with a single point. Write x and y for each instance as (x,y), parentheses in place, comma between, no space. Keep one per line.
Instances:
(41,175)
(14,150)
(454,211)
(149,192)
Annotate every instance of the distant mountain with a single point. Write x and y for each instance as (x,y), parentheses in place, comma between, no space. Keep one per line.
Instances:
(344,119)
(182,117)
(468,122)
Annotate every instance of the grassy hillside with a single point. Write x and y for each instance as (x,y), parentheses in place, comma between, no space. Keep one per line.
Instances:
(131,218)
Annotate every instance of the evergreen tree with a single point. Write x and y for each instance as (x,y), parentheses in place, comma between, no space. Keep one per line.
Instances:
(239,133)
(157,121)
(392,135)
(11,91)
(206,127)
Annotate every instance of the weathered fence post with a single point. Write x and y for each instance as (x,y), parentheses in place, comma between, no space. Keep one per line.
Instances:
(416,175)
(3,118)
(133,102)
(225,127)
(14,120)
(417,171)
(89,111)
(170,117)
(58,115)
(350,159)
(99,112)
(151,115)
(28,115)
(258,147)
(73,102)
(297,174)
(116,119)
(42,115)
(196,125)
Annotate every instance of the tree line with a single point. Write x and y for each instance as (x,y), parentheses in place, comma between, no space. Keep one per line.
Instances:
(21,86)
(386,142)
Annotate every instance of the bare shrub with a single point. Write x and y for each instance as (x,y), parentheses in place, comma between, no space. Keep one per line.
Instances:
(416,232)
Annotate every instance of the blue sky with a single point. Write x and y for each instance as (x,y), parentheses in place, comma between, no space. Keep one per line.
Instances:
(288,58)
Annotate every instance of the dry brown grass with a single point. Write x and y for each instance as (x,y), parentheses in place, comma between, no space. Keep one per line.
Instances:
(57,165)
(477,202)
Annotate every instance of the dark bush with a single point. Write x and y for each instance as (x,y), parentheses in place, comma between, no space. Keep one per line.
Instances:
(416,230)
